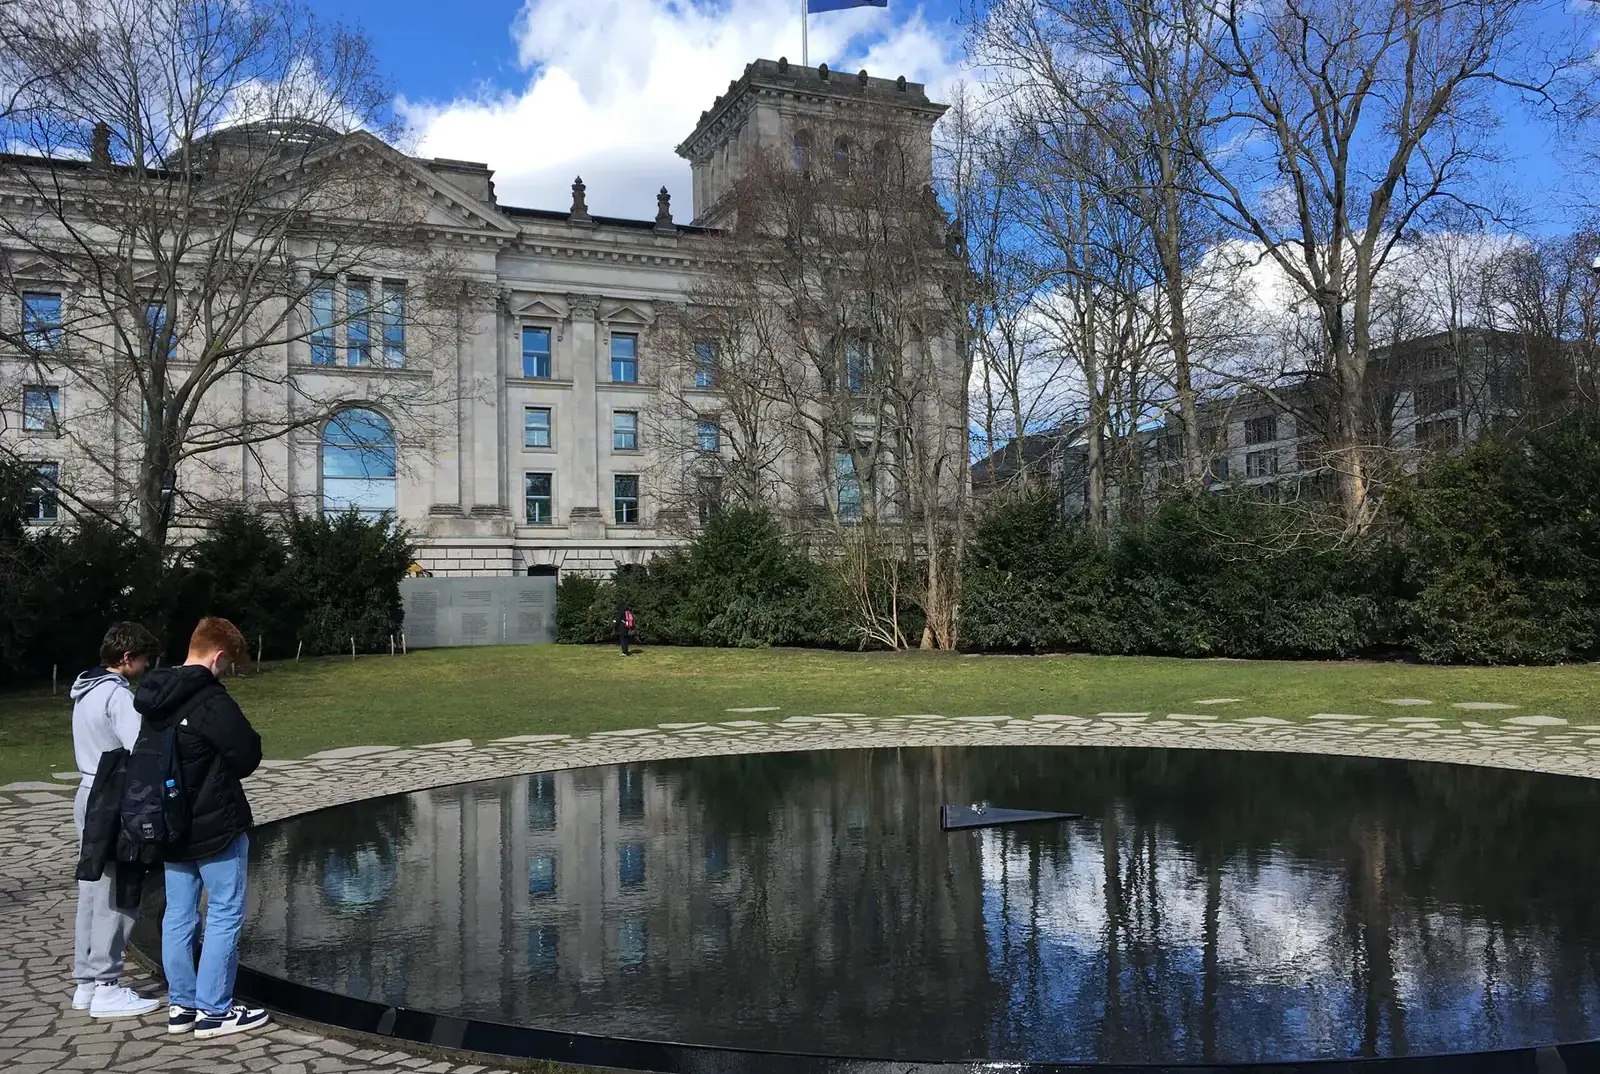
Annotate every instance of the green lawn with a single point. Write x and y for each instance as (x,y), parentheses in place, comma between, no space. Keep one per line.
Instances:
(490,693)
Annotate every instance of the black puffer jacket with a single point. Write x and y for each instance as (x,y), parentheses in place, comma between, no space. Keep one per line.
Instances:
(217,748)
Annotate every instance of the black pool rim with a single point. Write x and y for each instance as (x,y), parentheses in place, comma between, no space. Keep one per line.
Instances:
(483,1037)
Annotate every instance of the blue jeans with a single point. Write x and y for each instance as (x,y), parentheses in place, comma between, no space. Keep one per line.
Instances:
(223,878)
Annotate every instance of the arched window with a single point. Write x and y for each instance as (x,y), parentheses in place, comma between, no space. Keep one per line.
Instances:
(358,464)
(802,151)
(841,156)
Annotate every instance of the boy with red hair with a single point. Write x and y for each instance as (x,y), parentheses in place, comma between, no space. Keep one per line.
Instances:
(216,749)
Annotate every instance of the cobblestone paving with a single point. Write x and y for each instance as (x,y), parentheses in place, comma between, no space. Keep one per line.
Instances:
(40,1032)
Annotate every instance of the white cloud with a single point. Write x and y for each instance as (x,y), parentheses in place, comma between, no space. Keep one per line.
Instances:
(614,85)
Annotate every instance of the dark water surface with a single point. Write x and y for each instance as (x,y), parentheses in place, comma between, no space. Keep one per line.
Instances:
(1212,906)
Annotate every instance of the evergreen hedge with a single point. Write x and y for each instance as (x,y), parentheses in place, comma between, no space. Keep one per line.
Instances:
(320,581)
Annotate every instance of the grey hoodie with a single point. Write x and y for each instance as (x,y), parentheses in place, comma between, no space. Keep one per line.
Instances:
(103,718)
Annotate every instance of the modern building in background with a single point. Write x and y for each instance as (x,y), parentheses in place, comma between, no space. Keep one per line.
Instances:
(536,457)
(1427,396)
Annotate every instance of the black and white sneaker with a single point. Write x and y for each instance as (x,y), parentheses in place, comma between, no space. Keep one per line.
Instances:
(239,1019)
(181,1019)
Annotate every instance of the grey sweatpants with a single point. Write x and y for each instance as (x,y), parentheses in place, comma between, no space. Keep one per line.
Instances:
(102,930)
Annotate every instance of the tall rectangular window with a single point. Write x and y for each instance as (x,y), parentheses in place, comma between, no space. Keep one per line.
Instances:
(41,320)
(624,358)
(625,431)
(1218,470)
(322,346)
(705,364)
(844,468)
(857,360)
(155,328)
(1261,464)
(708,437)
(1262,430)
(358,332)
(42,504)
(41,409)
(538,503)
(536,352)
(536,427)
(393,319)
(625,499)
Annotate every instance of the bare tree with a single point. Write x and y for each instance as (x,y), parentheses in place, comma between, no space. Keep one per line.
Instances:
(1349,123)
(202,191)
(839,298)
(1134,73)
(980,164)
(1082,192)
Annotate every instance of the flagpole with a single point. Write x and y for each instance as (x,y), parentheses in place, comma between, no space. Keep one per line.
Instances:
(805,42)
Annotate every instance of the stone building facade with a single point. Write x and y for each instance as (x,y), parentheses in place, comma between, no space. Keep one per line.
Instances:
(524,450)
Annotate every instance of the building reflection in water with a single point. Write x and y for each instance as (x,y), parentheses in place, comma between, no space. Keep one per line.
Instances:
(1213,907)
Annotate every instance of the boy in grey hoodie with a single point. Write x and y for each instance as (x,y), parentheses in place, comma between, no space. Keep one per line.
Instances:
(103,718)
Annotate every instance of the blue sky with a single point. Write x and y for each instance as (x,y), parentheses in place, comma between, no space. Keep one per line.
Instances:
(549,89)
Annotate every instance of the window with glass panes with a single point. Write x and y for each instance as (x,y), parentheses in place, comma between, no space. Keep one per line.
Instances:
(41,409)
(1262,430)
(624,358)
(538,498)
(708,437)
(857,365)
(536,427)
(705,364)
(625,431)
(156,316)
(41,320)
(844,468)
(393,319)
(41,503)
(1260,464)
(625,499)
(358,331)
(535,352)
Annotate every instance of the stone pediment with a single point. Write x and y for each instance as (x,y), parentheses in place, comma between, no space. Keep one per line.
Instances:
(446,206)
(625,314)
(536,309)
(35,268)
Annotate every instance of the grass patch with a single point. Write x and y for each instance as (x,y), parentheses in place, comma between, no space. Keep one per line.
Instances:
(486,693)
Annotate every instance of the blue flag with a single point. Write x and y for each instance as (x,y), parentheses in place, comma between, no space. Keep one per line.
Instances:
(814,6)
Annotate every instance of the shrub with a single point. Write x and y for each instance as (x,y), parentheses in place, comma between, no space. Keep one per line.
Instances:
(1503,550)
(345,572)
(737,584)
(1208,576)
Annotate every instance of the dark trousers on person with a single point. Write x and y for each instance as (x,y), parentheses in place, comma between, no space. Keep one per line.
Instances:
(622,633)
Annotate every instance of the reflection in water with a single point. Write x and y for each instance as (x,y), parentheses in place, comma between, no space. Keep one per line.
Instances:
(1212,906)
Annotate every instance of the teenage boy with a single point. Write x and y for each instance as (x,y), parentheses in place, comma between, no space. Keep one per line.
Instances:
(103,719)
(216,749)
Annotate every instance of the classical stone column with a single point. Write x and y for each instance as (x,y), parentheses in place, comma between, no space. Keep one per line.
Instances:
(584,516)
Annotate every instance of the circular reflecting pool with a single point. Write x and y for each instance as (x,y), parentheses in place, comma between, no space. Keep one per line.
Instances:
(1210,907)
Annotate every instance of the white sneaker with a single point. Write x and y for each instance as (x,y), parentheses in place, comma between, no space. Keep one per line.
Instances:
(82,996)
(115,1001)
(239,1019)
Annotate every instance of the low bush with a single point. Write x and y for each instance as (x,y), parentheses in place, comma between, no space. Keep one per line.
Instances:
(1502,550)
(312,580)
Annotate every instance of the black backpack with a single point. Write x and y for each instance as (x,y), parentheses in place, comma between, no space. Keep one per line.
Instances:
(155,810)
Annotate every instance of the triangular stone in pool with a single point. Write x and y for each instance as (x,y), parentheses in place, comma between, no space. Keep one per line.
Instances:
(953,818)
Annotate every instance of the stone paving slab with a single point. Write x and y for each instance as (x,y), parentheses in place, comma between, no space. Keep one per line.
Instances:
(39,1032)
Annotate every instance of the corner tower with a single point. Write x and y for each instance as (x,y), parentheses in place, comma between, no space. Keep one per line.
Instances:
(772,106)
